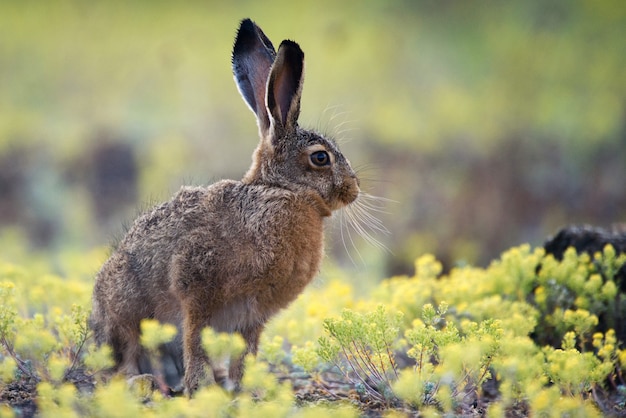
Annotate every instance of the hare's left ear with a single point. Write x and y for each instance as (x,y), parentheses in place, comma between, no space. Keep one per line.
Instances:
(284,88)
(253,55)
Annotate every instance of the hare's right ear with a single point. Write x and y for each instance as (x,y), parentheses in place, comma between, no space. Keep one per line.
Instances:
(284,87)
(253,56)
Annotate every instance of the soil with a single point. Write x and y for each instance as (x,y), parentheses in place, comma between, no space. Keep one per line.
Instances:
(21,397)
(323,389)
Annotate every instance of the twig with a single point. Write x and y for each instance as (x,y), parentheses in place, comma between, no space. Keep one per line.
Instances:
(596,398)
(76,355)
(367,362)
(327,388)
(21,364)
(362,380)
(391,360)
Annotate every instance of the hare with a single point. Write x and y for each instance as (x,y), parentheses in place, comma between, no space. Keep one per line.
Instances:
(230,255)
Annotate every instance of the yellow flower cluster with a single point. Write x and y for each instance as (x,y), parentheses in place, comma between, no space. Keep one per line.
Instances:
(539,327)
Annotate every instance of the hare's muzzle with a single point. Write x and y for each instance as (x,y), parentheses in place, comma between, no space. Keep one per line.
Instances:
(351,189)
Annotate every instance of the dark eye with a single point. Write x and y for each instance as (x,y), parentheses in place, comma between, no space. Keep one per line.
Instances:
(320,158)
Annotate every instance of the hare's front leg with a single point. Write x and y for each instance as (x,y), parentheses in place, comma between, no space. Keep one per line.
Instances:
(194,357)
(251,335)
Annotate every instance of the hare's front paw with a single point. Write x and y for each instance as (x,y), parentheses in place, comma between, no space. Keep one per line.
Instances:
(190,387)
(193,377)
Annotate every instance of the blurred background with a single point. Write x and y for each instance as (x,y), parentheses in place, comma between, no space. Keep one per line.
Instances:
(487,124)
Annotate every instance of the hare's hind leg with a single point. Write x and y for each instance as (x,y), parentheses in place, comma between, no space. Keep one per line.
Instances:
(251,335)
(194,357)
(123,339)
(129,355)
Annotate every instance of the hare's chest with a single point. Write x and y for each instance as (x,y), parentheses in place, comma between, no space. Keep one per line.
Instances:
(289,280)
(257,299)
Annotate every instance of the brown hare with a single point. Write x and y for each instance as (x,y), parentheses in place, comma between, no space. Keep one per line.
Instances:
(232,254)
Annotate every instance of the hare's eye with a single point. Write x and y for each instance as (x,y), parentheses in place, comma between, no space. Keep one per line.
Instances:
(320,158)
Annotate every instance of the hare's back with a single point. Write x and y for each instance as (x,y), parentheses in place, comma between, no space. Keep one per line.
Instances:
(139,267)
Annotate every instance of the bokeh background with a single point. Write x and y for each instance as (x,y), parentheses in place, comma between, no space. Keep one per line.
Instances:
(486,123)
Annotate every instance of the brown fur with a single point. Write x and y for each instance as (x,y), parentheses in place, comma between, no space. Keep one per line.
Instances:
(233,254)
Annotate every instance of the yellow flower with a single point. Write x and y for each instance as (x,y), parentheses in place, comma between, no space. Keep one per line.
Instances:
(154,334)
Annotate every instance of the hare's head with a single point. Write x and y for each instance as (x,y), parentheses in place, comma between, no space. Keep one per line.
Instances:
(287,155)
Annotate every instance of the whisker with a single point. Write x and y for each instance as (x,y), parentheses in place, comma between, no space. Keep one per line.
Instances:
(335,115)
(343,136)
(332,108)
(343,223)
(339,129)
(367,196)
(377,203)
(366,224)
(369,238)
(360,212)
(360,217)
(367,168)
(348,224)
(374,203)
(344,123)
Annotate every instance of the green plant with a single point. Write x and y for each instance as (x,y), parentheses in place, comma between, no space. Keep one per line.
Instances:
(472,340)
(572,294)
(361,346)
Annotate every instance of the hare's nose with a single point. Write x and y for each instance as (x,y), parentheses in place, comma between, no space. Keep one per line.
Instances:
(355,179)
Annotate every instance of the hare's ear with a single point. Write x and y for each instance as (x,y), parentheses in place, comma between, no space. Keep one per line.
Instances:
(253,55)
(284,87)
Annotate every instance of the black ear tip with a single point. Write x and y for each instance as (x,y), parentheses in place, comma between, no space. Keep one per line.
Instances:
(292,50)
(245,35)
(250,36)
(246,25)
(288,43)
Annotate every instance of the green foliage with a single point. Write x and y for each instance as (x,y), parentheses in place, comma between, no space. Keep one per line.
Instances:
(409,294)
(573,293)
(306,315)
(272,351)
(8,367)
(57,400)
(154,334)
(482,327)
(308,357)
(98,358)
(431,76)
(221,345)
(47,344)
(572,371)
(430,342)
(7,309)
(430,334)
(361,345)
(450,364)
(467,74)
